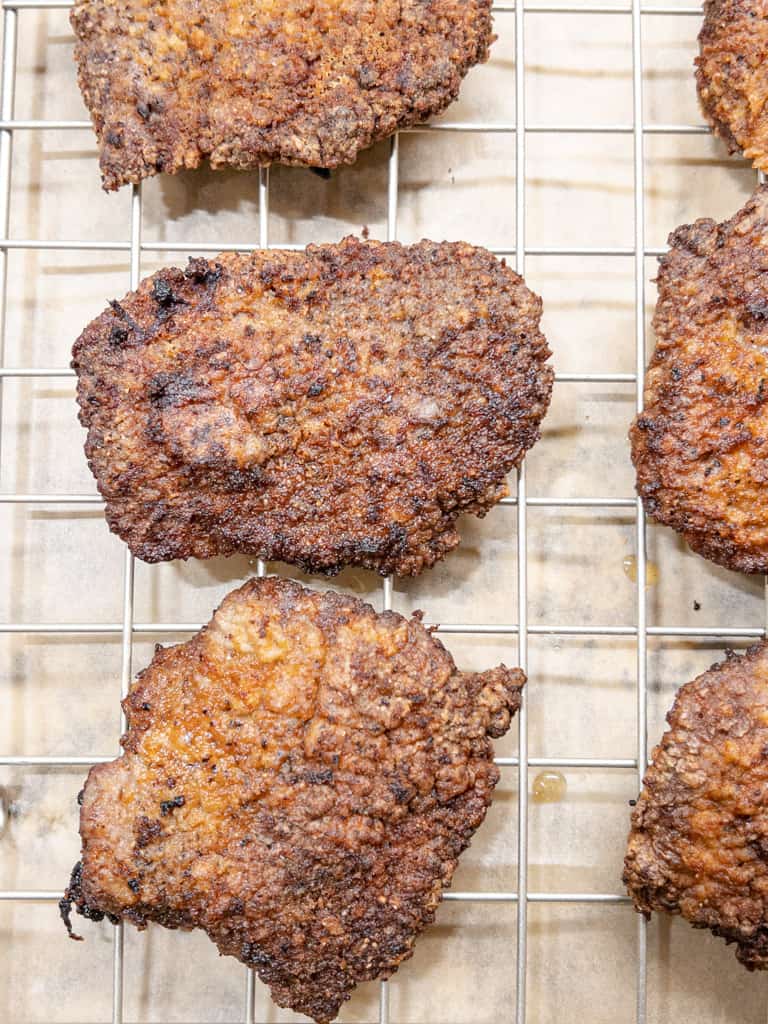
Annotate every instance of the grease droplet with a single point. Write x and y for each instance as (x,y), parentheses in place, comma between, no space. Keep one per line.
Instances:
(549,787)
(651,570)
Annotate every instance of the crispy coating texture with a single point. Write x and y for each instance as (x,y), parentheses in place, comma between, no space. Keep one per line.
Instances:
(699,839)
(342,405)
(732,75)
(246,83)
(298,780)
(700,445)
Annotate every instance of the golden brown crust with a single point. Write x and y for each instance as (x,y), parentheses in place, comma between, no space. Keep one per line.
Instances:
(298,780)
(246,83)
(699,840)
(700,445)
(342,405)
(732,75)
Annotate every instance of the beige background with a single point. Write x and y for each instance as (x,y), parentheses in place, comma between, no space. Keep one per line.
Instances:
(58,695)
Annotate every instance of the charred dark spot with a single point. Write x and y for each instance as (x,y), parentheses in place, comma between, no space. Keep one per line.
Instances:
(239,480)
(472,484)
(318,778)
(80,796)
(316,389)
(163,293)
(395,948)
(397,538)
(401,793)
(167,806)
(252,954)
(118,335)
(311,340)
(758,309)
(72,894)
(133,884)
(145,705)
(113,139)
(142,109)
(126,317)
(166,389)
(146,831)
(65,913)
(201,271)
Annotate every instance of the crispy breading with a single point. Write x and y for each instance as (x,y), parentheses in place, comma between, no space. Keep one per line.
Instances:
(247,83)
(298,780)
(342,405)
(700,445)
(732,75)
(699,840)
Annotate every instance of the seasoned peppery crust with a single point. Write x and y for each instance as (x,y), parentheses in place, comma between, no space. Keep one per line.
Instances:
(700,445)
(246,83)
(698,845)
(732,75)
(298,780)
(342,405)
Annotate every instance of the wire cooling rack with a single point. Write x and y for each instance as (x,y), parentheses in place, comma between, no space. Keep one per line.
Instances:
(510,17)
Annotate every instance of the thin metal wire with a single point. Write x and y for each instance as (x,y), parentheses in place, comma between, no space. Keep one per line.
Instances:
(640,532)
(6,148)
(460,628)
(8,85)
(81,761)
(50,896)
(522,557)
(85,245)
(96,499)
(261,566)
(543,502)
(490,127)
(560,378)
(558,129)
(393,182)
(126,628)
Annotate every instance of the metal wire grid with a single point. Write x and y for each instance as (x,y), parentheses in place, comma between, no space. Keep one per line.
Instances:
(128,628)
